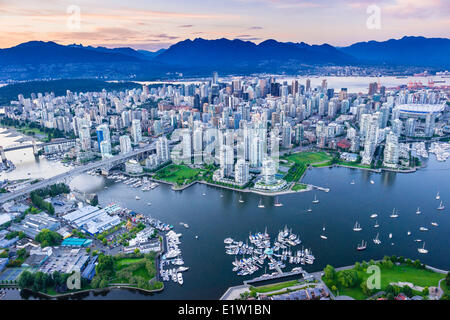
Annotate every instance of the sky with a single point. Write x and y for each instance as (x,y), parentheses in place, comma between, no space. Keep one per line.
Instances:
(155,24)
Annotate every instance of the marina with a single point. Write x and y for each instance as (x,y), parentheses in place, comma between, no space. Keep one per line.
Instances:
(261,250)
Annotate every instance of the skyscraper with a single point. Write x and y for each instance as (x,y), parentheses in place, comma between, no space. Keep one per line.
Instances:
(125,144)
(103,134)
(241,175)
(136,131)
(162,149)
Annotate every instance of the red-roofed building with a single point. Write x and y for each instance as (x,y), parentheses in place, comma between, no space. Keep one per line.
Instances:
(344,144)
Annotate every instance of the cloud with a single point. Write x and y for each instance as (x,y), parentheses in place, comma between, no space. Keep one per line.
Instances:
(186,26)
(255,28)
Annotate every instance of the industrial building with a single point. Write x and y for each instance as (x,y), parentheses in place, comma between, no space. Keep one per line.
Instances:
(35,223)
(92,219)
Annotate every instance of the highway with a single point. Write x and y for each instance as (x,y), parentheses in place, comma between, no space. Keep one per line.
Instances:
(74,172)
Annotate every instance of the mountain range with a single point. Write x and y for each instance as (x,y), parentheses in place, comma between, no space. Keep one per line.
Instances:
(38,59)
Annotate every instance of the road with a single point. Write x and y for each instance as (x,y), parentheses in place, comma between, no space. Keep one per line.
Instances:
(74,172)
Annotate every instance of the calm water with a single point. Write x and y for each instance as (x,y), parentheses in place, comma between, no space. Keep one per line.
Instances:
(25,161)
(213,218)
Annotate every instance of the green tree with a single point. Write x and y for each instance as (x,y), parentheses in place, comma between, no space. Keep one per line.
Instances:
(329,272)
(48,238)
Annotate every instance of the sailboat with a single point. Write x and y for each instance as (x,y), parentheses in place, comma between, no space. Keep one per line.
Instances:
(362,246)
(240,199)
(434,224)
(260,205)
(390,235)
(315,199)
(376,224)
(422,250)
(323,236)
(353,182)
(441,206)
(373,215)
(277,203)
(372,182)
(408,233)
(438,196)
(377,240)
(394,214)
(357,227)
(418,210)
(309,209)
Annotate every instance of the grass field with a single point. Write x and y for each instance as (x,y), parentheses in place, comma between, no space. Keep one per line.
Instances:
(298,186)
(402,273)
(306,158)
(352,164)
(179,174)
(299,162)
(123,263)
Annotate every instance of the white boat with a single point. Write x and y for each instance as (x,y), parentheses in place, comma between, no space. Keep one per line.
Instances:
(315,199)
(260,205)
(180,278)
(277,203)
(438,196)
(149,204)
(323,237)
(372,182)
(182,269)
(408,233)
(422,250)
(417,240)
(309,209)
(377,240)
(362,246)
(418,210)
(203,194)
(357,227)
(353,182)
(240,199)
(138,198)
(423,229)
(196,237)
(394,214)
(390,235)
(434,224)
(373,215)
(376,224)
(228,241)
(441,206)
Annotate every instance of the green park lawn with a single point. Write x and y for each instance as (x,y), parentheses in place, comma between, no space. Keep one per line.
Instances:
(305,158)
(179,174)
(298,186)
(353,164)
(401,273)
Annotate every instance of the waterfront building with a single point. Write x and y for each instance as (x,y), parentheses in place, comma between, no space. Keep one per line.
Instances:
(226,160)
(241,175)
(132,166)
(391,151)
(105,149)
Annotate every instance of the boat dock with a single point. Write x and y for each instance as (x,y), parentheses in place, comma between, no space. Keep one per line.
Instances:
(320,188)
(278,276)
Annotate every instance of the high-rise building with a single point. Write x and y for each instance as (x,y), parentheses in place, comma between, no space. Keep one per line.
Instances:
(241,173)
(268,171)
(391,151)
(85,138)
(162,149)
(103,134)
(136,131)
(105,148)
(125,144)
(226,160)
(410,127)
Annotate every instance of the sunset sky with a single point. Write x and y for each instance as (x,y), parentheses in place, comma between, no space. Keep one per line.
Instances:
(154,24)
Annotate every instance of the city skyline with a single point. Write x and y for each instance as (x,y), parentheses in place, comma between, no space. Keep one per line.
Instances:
(157,25)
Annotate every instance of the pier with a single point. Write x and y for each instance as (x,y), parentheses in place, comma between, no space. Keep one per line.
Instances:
(278,276)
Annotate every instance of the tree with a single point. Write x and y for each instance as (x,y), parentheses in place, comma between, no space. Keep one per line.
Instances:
(447,279)
(48,238)
(348,278)
(407,291)
(329,272)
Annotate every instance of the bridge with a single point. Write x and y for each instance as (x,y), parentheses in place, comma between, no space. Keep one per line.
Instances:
(33,144)
(105,164)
